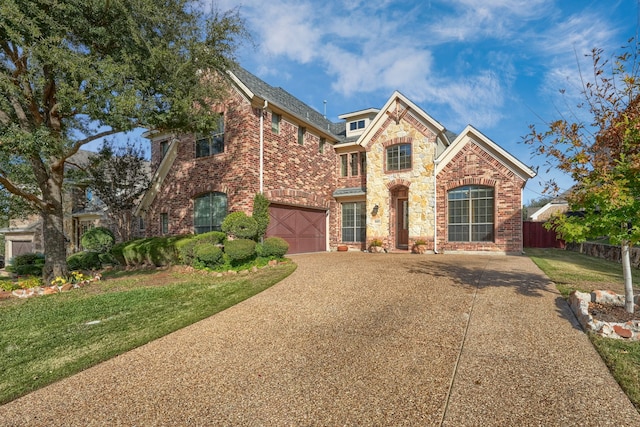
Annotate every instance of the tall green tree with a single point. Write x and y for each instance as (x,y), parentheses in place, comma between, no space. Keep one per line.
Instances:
(74,71)
(119,175)
(602,155)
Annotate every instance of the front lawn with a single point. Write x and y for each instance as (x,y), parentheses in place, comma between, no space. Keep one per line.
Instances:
(44,339)
(573,271)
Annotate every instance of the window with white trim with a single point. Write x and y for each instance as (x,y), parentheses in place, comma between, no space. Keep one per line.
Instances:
(354,218)
(471,214)
(355,125)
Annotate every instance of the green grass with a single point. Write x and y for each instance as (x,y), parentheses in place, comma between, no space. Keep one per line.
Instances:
(573,271)
(47,338)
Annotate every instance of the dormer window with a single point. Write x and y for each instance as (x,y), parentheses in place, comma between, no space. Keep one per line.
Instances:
(356,125)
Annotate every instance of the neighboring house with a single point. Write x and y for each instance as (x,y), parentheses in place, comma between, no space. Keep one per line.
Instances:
(82,211)
(393,174)
(544,213)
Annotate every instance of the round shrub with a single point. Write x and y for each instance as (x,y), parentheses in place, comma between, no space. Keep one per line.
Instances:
(239,225)
(84,261)
(185,249)
(98,239)
(274,247)
(208,254)
(215,237)
(240,250)
(27,264)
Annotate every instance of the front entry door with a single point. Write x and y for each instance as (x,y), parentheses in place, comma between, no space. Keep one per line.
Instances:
(402,224)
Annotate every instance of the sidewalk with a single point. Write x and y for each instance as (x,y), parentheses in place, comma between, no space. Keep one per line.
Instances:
(359,339)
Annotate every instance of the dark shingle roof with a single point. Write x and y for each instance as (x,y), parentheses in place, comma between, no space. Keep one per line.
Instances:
(288,102)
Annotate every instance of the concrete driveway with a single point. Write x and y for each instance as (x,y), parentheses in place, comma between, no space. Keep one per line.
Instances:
(359,339)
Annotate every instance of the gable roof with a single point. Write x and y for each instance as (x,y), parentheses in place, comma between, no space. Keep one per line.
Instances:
(254,87)
(472,134)
(380,118)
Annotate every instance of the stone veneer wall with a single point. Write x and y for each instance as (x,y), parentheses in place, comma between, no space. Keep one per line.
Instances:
(418,180)
(608,252)
(294,174)
(474,166)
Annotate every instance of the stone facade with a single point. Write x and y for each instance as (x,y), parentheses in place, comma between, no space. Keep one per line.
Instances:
(416,184)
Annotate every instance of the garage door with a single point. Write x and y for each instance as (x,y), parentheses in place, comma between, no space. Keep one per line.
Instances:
(304,229)
(19,247)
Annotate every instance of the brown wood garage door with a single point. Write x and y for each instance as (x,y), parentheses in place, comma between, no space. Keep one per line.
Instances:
(304,229)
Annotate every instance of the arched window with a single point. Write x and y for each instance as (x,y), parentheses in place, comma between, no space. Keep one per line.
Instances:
(471,211)
(209,211)
(399,157)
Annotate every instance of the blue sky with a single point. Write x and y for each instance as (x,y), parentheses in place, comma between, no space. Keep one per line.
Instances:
(496,64)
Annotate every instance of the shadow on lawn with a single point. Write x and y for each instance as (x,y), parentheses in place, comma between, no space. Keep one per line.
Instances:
(488,272)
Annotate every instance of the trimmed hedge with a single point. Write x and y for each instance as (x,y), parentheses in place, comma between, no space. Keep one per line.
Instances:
(239,225)
(30,264)
(261,214)
(275,247)
(240,250)
(208,254)
(158,251)
(98,239)
(186,246)
(84,261)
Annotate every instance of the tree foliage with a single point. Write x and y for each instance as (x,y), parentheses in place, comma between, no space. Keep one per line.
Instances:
(74,71)
(261,214)
(119,175)
(601,155)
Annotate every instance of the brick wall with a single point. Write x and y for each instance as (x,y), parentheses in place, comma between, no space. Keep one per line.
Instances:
(474,166)
(294,174)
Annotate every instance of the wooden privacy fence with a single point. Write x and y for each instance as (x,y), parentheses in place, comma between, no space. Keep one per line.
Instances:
(534,235)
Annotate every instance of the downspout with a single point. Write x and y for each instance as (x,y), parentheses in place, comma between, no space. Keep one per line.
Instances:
(436,162)
(264,107)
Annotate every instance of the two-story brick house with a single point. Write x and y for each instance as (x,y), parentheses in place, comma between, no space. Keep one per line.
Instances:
(392,174)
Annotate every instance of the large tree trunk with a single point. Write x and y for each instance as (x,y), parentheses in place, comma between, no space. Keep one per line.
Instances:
(626,273)
(53,229)
(54,246)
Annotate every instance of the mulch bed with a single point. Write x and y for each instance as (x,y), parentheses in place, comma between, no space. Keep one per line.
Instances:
(611,313)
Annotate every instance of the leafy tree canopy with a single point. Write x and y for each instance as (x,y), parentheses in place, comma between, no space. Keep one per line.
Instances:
(69,67)
(602,156)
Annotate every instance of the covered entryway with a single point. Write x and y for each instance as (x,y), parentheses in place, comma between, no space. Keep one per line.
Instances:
(303,228)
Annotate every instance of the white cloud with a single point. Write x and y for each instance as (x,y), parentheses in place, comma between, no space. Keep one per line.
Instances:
(500,19)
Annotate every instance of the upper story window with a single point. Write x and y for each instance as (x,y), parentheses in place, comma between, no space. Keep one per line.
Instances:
(471,210)
(209,211)
(208,145)
(399,157)
(356,125)
(321,145)
(353,164)
(275,123)
(301,132)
